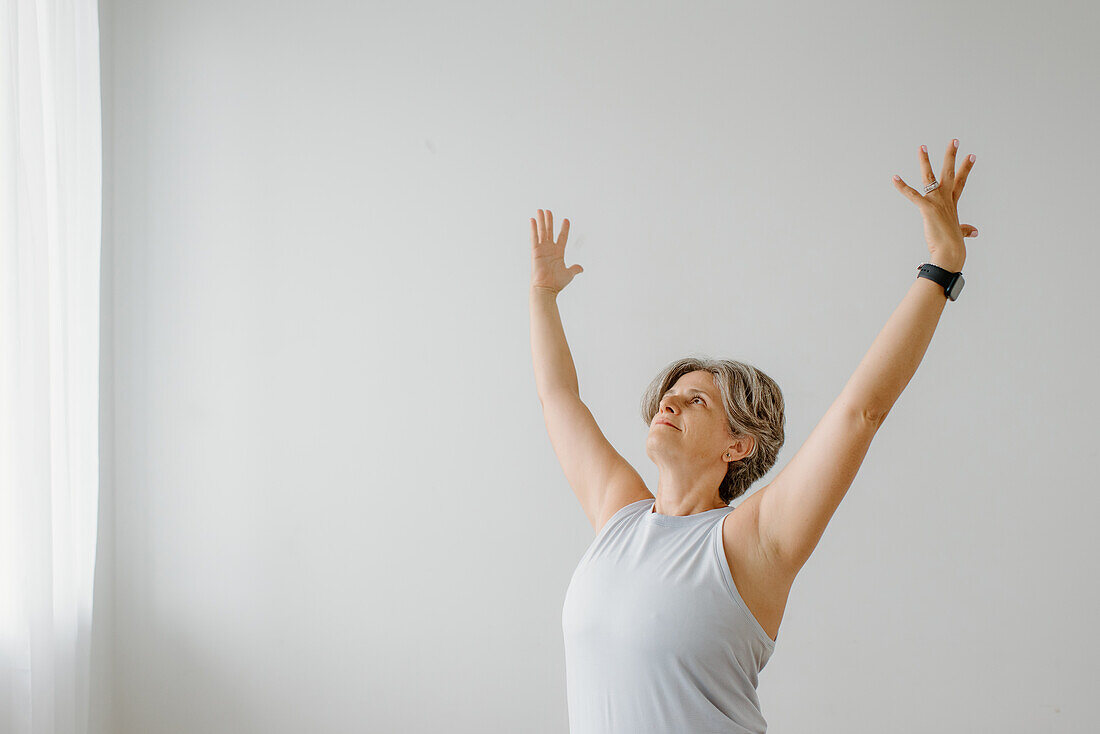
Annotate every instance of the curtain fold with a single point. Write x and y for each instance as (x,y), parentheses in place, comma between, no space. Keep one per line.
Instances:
(50,212)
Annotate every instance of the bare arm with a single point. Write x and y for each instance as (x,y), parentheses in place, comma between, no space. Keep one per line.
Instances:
(595,470)
(554,368)
(797,505)
(897,351)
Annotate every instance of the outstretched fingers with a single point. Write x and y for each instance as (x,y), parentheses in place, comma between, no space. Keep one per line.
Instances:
(947,176)
(542,228)
(908,191)
(925,166)
(949,179)
(960,180)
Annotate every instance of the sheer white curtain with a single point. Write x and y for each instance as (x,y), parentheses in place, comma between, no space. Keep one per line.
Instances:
(50,194)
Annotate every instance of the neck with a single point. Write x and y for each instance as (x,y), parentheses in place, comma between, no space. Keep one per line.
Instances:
(686,497)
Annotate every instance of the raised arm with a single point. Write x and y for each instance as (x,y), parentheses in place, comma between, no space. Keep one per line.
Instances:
(600,477)
(554,369)
(798,504)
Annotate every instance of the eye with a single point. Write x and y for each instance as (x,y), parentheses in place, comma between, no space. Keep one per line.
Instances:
(700,399)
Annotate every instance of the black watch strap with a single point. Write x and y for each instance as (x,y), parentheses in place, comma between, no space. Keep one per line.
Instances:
(952,282)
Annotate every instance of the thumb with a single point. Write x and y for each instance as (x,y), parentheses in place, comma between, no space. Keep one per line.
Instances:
(576,270)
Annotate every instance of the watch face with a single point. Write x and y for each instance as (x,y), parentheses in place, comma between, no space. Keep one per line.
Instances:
(956,287)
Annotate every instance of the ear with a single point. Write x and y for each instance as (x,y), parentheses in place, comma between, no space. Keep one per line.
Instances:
(740,448)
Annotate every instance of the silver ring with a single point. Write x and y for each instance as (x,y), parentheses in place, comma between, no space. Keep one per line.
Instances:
(932,186)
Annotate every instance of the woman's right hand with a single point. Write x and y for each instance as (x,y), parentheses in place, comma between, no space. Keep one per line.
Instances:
(547,256)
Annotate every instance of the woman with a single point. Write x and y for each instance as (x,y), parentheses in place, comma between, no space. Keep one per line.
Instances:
(675,607)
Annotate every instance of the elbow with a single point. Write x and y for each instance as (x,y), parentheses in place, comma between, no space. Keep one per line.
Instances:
(875,416)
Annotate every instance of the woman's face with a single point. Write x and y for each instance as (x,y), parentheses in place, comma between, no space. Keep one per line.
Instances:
(699,431)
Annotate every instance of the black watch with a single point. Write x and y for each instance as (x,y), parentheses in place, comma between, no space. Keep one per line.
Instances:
(952,282)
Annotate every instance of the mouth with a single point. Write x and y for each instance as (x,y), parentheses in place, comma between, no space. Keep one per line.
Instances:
(666,423)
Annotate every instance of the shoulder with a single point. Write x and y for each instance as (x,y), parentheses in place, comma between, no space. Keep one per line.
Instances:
(616,500)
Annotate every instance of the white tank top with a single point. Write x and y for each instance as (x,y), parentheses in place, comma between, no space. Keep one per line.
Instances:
(657,638)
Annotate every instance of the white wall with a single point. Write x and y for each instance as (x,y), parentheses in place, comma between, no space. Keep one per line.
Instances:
(336,508)
(103,680)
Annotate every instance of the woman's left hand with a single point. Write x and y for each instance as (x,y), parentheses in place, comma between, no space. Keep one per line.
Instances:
(942,230)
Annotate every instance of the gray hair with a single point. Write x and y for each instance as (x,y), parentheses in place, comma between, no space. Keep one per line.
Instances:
(754,406)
